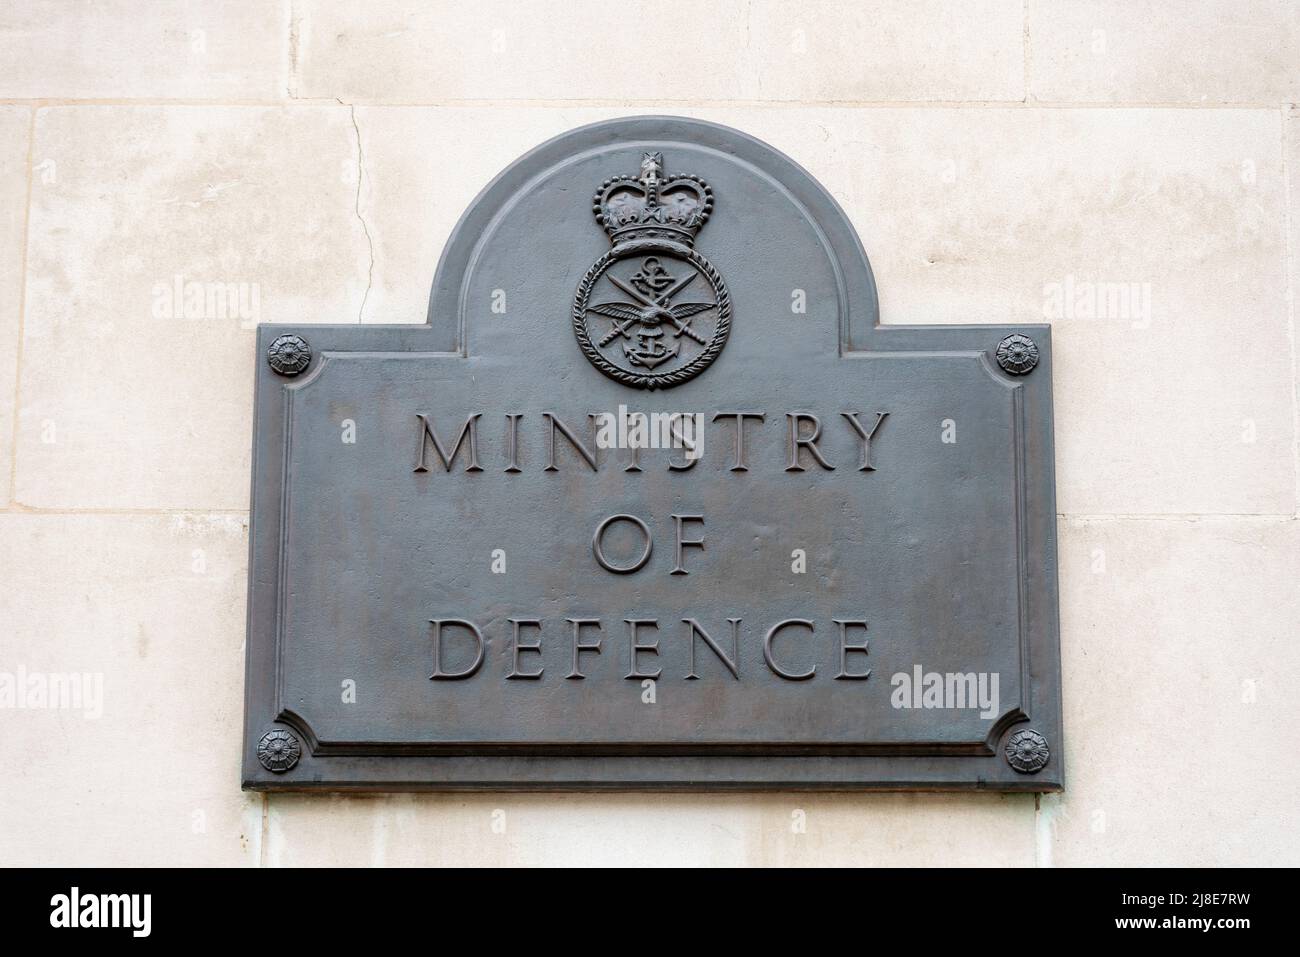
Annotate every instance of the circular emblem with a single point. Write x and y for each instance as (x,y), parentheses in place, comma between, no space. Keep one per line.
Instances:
(1017,354)
(652,312)
(1027,751)
(278,751)
(289,354)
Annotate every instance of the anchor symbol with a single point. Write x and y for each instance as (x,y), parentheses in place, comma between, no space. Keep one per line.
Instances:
(649,350)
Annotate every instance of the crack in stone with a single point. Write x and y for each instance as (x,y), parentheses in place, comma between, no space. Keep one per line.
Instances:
(295,28)
(356,206)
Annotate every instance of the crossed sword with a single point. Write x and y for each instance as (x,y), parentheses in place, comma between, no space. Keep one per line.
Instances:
(658,305)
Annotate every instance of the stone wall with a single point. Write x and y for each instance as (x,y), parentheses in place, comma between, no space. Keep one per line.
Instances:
(1129,169)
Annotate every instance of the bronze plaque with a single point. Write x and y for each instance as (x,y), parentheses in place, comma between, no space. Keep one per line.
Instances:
(652,500)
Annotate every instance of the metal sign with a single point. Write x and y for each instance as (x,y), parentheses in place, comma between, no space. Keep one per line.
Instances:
(611,520)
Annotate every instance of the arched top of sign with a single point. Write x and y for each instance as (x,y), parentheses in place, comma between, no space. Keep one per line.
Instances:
(657,180)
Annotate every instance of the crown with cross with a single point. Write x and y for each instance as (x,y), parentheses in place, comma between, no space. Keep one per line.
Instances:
(652,206)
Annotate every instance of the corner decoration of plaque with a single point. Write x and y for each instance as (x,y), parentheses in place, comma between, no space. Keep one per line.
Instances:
(742,536)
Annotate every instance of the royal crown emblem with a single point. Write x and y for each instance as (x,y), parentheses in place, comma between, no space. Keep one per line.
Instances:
(652,312)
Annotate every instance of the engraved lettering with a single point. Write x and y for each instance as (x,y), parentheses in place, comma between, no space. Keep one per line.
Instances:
(865,435)
(799,441)
(739,418)
(845,648)
(438,673)
(579,645)
(682,543)
(428,434)
(695,629)
(517,647)
(771,661)
(635,646)
(598,550)
(554,425)
(512,441)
